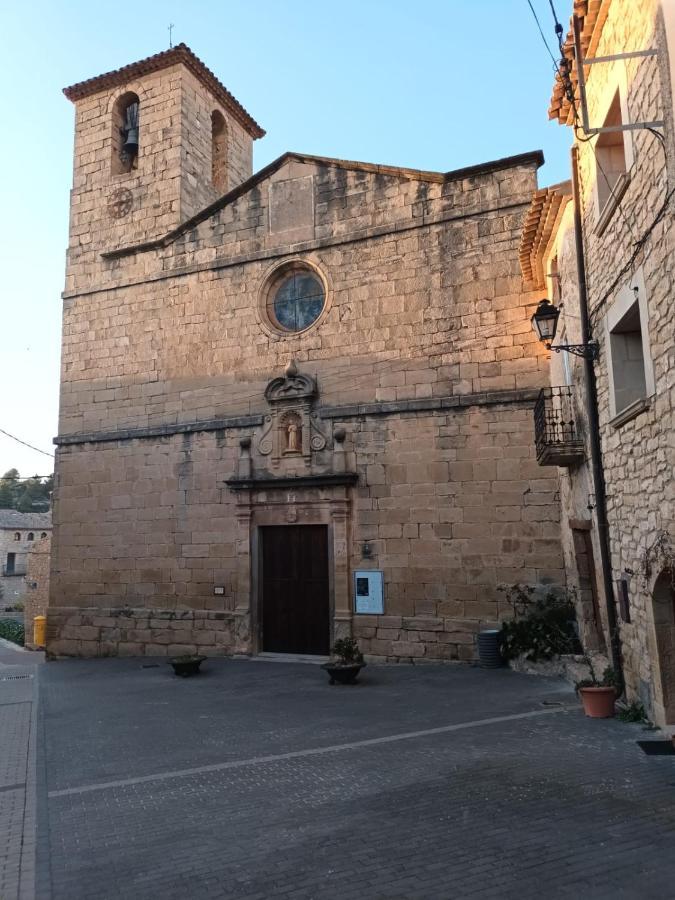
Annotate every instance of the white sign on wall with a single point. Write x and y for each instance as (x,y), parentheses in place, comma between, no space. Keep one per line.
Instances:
(369,592)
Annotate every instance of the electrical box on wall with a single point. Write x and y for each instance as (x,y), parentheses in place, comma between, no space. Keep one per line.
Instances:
(369,592)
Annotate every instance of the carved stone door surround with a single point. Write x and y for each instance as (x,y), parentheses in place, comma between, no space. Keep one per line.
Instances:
(268,505)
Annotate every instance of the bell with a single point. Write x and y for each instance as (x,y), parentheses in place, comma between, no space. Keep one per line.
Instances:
(130,146)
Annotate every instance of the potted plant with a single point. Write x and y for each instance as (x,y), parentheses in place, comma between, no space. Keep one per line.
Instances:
(346,661)
(187,665)
(598,696)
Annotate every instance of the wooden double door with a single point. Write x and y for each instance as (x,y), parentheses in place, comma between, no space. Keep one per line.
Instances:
(295,609)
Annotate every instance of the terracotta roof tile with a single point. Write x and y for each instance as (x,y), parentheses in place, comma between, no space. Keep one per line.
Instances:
(12,518)
(539,228)
(179,54)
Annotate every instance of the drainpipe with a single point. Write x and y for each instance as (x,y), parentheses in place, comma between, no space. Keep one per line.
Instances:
(594,435)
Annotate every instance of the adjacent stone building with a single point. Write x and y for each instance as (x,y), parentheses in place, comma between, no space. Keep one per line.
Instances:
(627,186)
(294,405)
(36,591)
(18,533)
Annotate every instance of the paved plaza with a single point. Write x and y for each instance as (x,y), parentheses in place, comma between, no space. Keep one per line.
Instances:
(260,780)
(18,767)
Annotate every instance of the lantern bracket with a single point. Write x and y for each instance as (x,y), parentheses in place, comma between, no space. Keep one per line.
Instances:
(591,350)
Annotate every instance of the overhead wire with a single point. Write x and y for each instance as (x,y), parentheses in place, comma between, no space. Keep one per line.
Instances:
(25,477)
(543,36)
(25,443)
(564,74)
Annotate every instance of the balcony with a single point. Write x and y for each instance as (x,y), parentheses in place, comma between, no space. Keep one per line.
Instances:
(19,569)
(555,432)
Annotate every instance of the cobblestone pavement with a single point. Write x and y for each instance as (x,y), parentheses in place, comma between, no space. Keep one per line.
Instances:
(18,735)
(259,780)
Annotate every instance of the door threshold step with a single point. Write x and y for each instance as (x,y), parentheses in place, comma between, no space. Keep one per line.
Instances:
(290,658)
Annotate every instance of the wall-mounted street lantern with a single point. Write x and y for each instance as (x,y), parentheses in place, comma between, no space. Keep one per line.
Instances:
(544,324)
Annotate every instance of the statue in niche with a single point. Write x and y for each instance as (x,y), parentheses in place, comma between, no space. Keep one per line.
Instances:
(292,430)
(292,440)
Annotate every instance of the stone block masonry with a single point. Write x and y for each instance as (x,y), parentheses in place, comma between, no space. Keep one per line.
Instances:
(126,631)
(450,503)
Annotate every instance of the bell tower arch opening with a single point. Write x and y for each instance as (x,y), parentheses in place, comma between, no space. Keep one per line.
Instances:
(218,151)
(125,142)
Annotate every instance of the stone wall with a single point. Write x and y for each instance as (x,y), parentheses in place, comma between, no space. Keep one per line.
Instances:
(424,293)
(638,456)
(451,503)
(101,631)
(36,590)
(577,495)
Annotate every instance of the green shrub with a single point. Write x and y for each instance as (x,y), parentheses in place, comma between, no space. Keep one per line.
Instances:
(13,631)
(634,712)
(347,651)
(543,626)
(609,677)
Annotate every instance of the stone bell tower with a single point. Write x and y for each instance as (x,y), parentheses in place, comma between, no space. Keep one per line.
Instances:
(155,142)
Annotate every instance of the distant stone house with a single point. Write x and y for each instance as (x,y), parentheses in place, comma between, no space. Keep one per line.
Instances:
(626,196)
(295,405)
(35,598)
(18,534)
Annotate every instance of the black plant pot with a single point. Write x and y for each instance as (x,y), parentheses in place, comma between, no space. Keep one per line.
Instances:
(186,665)
(343,673)
(489,649)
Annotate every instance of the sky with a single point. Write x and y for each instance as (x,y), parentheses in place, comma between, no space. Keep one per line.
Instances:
(431,84)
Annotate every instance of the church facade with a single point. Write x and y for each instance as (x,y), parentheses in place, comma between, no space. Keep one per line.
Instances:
(295,405)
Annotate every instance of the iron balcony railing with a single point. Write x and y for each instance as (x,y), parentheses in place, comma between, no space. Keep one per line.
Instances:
(555,432)
(13,570)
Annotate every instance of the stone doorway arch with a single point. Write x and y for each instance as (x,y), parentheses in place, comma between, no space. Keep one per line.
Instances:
(663,603)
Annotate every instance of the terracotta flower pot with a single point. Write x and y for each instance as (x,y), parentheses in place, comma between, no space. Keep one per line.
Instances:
(598,702)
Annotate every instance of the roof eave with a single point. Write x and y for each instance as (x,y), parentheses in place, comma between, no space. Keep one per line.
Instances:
(530,158)
(181,53)
(541,224)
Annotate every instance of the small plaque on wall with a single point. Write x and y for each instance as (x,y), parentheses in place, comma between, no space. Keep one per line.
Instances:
(369,592)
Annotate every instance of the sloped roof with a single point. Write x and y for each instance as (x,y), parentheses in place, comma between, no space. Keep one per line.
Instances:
(534,157)
(593,14)
(12,518)
(539,229)
(181,53)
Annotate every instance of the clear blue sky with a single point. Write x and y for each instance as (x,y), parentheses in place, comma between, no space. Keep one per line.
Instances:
(432,84)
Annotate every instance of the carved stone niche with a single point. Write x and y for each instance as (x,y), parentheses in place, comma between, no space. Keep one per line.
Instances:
(291,431)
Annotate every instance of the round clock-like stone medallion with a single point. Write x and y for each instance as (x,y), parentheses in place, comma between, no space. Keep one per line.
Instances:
(120,203)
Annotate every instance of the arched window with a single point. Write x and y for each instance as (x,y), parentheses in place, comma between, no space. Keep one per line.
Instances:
(43,535)
(31,536)
(125,133)
(218,151)
(17,535)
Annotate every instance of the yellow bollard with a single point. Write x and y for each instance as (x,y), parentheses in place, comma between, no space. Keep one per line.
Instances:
(39,628)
